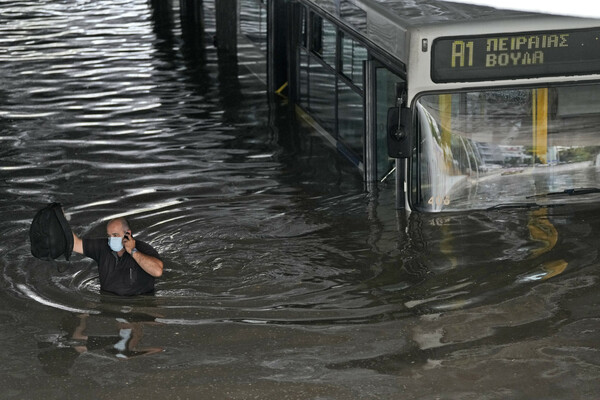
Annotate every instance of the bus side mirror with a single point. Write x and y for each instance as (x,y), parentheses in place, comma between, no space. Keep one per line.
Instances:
(399,140)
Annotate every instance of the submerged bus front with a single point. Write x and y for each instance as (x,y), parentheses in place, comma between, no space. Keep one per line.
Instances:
(504,113)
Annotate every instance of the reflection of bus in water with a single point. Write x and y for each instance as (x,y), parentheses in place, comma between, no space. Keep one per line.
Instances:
(472,107)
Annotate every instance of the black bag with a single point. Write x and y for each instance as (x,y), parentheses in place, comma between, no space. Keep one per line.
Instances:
(50,234)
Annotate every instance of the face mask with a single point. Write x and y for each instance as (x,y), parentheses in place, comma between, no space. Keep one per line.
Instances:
(115,243)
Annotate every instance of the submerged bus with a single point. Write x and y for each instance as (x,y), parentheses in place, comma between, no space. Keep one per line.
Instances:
(469,107)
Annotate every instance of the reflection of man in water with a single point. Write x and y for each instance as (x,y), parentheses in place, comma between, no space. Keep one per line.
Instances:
(59,353)
(123,346)
(126,266)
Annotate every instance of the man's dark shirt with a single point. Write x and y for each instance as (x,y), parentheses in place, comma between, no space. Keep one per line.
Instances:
(120,275)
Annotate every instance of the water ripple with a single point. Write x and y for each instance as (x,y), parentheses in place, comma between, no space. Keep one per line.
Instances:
(260,224)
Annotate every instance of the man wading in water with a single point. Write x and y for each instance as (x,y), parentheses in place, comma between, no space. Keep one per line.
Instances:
(127,266)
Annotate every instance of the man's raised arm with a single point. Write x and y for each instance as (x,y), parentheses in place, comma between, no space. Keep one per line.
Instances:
(77,244)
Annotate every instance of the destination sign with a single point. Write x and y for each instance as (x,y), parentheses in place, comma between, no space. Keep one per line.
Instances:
(522,55)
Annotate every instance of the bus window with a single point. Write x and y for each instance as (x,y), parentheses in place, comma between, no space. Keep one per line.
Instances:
(303,30)
(321,94)
(577,100)
(350,119)
(323,39)
(487,148)
(353,56)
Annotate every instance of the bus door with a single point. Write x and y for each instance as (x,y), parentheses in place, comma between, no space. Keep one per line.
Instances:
(384,90)
(384,93)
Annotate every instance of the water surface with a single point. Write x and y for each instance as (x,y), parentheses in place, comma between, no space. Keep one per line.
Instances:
(283,277)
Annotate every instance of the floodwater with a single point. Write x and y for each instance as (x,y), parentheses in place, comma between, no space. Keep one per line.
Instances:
(283,278)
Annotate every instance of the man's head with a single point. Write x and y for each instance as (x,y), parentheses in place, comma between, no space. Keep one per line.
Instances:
(117,227)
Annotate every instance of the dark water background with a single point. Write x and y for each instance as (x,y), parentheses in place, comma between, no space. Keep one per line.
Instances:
(283,278)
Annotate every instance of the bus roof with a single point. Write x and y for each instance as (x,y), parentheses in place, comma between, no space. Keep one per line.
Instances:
(577,8)
(409,13)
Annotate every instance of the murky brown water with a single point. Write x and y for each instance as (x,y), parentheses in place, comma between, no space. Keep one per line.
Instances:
(283,278)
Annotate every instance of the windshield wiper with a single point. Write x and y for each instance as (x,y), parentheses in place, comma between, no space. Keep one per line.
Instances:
(513,205)
(567,192)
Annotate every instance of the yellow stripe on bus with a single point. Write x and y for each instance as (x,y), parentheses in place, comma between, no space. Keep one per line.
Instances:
(540,124)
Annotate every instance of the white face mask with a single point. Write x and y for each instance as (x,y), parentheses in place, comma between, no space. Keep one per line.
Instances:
(115,243)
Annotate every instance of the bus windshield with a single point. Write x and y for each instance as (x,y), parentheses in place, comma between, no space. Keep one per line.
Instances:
(495,148)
